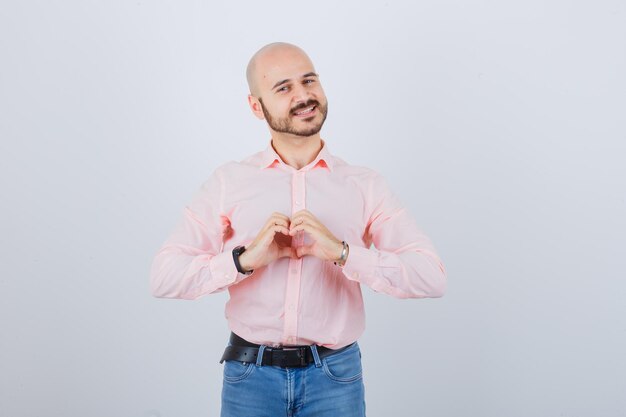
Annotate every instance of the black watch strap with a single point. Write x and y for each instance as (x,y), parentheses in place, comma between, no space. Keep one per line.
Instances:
(236,253)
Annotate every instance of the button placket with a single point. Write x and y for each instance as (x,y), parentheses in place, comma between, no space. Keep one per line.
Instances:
(292,299)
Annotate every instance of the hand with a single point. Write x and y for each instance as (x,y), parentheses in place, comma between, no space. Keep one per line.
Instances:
(271,243)
(325,246)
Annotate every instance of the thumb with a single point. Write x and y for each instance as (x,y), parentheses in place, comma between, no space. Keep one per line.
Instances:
(286,252)
(304,250)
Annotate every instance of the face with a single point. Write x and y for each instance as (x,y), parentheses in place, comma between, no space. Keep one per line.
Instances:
(291,100)
(301,120)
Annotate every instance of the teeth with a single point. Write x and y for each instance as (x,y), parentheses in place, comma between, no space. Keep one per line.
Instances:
(307,110)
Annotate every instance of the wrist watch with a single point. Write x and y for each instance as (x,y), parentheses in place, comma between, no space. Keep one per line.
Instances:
(236,253)
(344,255)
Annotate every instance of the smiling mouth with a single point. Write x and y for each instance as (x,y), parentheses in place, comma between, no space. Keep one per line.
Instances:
(307,111)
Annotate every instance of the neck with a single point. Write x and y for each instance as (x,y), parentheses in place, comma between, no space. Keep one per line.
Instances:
(297,151)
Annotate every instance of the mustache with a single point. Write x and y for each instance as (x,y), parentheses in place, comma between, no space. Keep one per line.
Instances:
(305,105)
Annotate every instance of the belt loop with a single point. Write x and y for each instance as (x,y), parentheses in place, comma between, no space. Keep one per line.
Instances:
(316,356)
(259,358)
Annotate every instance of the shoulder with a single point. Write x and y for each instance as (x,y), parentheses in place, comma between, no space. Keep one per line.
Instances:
(361,174)
(254,160)
(230,168)
(370,183)
(235,173)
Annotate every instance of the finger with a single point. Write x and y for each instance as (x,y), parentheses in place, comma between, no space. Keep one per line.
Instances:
(303,214)
(268,235)
(295,228)
(281,222)
(281,216)
(296,223)
(306,219)
(280,229)
(276,219)
(305,227)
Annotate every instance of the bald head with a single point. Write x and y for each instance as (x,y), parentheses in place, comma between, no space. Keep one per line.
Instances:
(267,59)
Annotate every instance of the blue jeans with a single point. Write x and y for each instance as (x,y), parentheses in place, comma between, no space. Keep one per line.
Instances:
(329,387)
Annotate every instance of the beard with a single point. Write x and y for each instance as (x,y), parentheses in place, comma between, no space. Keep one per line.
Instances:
(285,125)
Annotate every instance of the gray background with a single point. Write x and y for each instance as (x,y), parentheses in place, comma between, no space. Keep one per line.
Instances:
(500,124)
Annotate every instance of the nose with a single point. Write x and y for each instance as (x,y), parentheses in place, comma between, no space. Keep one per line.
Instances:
(301,94)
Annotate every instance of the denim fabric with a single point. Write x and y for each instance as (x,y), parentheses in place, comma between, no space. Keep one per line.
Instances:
(330,387)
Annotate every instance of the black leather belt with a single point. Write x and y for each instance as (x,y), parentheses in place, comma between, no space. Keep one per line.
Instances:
(285,357)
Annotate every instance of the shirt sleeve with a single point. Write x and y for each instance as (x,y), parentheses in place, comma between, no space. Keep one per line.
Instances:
(403,263)
(191,262)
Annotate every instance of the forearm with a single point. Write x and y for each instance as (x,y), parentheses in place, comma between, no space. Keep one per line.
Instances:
(179,272)
(411,273)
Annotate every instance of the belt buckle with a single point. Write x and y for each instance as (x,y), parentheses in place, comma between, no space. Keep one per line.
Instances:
(301,355)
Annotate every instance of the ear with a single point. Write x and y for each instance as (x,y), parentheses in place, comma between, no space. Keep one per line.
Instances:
(255,106)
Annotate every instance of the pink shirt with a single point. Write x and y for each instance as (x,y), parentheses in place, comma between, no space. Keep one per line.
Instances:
(297,301)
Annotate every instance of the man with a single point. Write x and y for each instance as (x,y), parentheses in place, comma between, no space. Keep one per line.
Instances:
(288,231)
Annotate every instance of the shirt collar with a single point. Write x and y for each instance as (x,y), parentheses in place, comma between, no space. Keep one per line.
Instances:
(269,159)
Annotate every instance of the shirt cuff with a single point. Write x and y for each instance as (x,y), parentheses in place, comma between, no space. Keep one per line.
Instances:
(224,271)
(360,265)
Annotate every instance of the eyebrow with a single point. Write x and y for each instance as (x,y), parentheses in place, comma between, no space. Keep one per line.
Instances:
(308,74)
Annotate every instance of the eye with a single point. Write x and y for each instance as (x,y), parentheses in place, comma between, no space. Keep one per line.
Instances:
(282,89)
(309,81)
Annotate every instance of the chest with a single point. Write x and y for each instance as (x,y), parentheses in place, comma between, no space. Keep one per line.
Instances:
(338,203)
